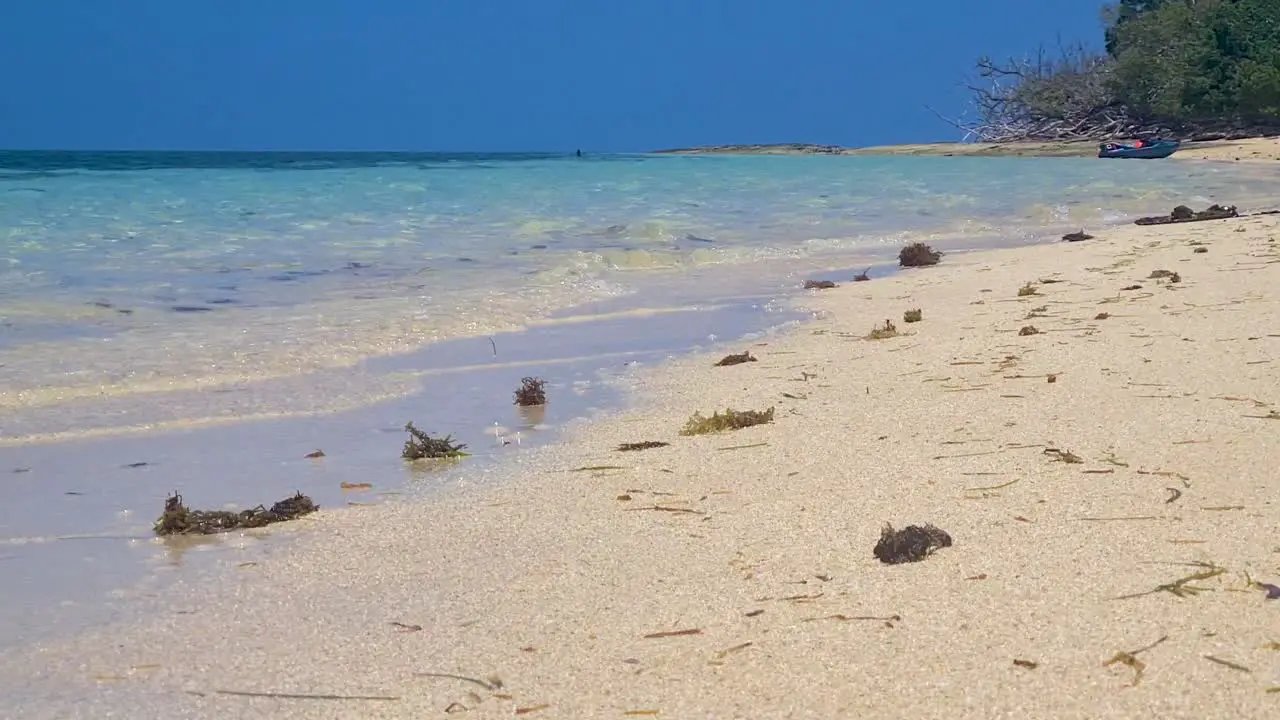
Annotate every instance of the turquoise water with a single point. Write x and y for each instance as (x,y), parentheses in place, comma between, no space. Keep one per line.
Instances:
(134,284)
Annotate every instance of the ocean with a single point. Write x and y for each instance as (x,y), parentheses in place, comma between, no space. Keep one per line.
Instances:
(195,322)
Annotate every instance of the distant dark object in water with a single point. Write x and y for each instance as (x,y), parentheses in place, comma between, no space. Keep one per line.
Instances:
(102,304)
(532,391)
(190,309)
(863,276)
(1182,214)
(912,543)
(177,519)
(579,153)
(918,255)
(819,285)
(353,265)
(1139,149)
(695,238)
(315,454)
(135,465)
(466,259)
(221,301)
(537,247)
(737,359)
(1077,236)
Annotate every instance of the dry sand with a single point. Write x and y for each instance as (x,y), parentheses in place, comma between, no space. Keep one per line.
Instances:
(754,547)
(1264,149)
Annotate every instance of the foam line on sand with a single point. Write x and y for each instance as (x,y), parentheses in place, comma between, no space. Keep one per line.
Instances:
(1108,482)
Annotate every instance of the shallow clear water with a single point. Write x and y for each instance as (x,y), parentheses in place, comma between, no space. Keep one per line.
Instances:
(131,284)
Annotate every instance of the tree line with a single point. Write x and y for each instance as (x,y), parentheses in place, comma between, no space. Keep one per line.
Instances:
(1194,69)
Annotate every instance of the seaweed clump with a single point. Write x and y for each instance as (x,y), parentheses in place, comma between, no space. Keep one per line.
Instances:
(742,357)
(913,316)
(883,332)
(421,445)
(912,543)
(1027,289)
(532,391)
(642,445)
(1182,214)
(918,255)
(1077,236)
(178,519)
(699,424)
(819,284)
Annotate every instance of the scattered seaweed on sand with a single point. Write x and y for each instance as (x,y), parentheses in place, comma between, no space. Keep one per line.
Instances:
(737,359)
(913,316)
(819,285)
(1065,456)
(421,445)
(1183,587)
(883,332)
(1077,236)
(912,543)
(178,519)
(1172,276)
(1029,330)
(532,391)
(699,424)
(918,255)
(1130,658)
(863,276)
(1182,214)
(644,445)
(1027,289)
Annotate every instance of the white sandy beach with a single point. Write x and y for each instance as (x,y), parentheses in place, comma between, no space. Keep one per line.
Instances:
(547,592)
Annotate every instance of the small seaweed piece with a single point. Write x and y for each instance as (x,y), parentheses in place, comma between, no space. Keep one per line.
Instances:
(1065,456)
(863,276)
(1201,250)
(643,445)
(699,424)
(532,391)
(913,316)
(918,255)
(314,454)
(177,519)
(1182,587)
(883,332)
(1027,289)
(1102,316)
(1077,236)
(1029,330)
(819,285)
(912,543)
(421,445)
(737,359)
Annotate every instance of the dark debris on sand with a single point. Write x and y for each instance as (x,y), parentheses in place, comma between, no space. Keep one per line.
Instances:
(912,543)
(178,519)
(819,285)
(1077,236)
(643,445)
(918,255)
(1182,214)
(736,359)
(421,445)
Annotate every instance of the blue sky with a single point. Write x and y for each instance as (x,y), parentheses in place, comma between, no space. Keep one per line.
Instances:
(450,75)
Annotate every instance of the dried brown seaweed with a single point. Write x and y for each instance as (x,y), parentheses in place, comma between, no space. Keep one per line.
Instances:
(912,543)
(178,519)
(421,445)
(643,445)
(883,332)
(532,391)
(1027,289)
(819,285)
(736,359)
(913,316)
(918,255)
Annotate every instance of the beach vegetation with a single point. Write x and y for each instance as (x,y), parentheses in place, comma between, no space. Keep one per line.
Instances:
(913,316)
(420,445)
(730,419)
(1172,68)
(532,391)
(178,519)
(918,255)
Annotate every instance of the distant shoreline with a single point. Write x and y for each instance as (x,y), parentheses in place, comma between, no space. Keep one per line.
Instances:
(1247,149)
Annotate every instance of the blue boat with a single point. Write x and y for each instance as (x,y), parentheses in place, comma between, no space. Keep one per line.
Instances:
(1140,149)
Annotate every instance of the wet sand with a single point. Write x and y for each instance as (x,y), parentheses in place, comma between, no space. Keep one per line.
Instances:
(1106,478)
